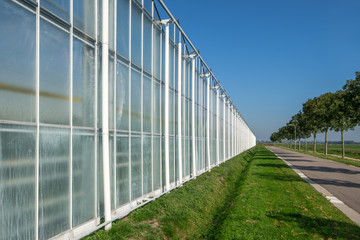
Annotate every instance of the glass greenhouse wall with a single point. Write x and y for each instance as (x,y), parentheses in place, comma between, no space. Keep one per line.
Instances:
(69,64)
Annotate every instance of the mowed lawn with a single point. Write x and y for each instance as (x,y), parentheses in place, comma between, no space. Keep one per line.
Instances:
(252,196)
(351,150)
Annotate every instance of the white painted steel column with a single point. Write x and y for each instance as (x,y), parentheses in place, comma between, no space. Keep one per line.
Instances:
(37,110)
(105,112)
(208,119)
(217,127)
(193,116)
(179,112)
(228,129)
(167,91)
(224,127)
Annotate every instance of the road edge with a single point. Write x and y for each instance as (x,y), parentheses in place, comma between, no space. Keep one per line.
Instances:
(349,212)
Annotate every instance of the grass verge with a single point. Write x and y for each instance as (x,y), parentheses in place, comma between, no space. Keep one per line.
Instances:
(252,196)
(323,156)
(184,213)
(270,201)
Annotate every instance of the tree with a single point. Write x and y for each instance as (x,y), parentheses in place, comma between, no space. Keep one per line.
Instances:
(342,120)
(352,98)
(275,137)
(313,116)
(304,128)
(326,111)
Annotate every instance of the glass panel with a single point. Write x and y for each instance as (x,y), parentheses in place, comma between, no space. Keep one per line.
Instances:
(148,5)
(171,159)
(171,113)
(84,16)
(156,108)
(156,52)
(136,34)
(111,24)
(135,167)
(122,27)
(83,195)
(122,96)
(54,74)
(111,92)
(156,162)
(53,182)
(147,44)
(59,7)
(122,170)
(135,101)
(147,104)
(17,182)
(100,183)
(83,84)
(17,69)
(147,165)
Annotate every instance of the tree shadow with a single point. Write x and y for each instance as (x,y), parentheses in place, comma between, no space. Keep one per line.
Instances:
(341,183)
(275,165)
(327,169)
(327,228)
(277,177)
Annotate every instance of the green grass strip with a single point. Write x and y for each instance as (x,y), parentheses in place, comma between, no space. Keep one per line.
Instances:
(323,156)
(272,202)
(252,196)
(186,212)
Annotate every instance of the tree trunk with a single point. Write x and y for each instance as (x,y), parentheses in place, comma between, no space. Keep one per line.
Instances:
(326,141)
(305,144)
(314,142)
(343,143)
(299,142)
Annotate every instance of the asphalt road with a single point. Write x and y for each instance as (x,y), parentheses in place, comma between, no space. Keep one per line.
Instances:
(341,180)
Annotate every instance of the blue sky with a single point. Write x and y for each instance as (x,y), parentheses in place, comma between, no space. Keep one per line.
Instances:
(271,56)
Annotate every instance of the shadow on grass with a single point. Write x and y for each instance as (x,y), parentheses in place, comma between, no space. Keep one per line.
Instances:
(276,177)
(327,228)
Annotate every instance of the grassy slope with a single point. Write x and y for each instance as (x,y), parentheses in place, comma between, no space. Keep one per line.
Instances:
(272,202)
(186,212)
(244,198)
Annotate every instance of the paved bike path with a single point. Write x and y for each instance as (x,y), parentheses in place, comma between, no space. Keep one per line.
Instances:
(341,180)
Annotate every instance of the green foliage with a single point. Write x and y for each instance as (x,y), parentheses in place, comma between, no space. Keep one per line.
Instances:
(341,118)
(352,98)
(339,111)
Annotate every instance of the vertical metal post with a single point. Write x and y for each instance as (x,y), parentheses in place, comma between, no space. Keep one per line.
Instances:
(229,131)
(105,112)
(208,120)
(193,141)
(217,127)
(70,115)
(37,143)
(179,113)
(224,128)
(95,114)
(166,130)
(130,83)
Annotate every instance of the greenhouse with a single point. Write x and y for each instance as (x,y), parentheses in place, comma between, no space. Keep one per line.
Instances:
(105,106)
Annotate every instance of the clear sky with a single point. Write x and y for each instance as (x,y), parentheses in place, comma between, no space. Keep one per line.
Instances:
(271,56)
